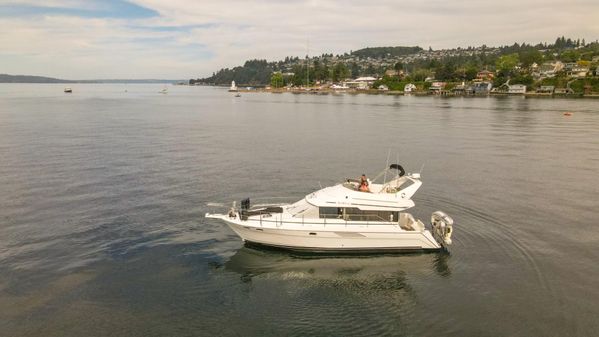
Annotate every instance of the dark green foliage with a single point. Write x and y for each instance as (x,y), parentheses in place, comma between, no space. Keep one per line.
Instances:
(253,72)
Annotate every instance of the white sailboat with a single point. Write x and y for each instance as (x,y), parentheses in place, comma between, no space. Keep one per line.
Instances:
(344,218)
(233,87)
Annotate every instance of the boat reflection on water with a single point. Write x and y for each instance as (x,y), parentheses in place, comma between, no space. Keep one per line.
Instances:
(252,261)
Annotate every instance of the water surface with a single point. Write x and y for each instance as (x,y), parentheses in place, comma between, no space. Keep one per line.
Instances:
(103,191)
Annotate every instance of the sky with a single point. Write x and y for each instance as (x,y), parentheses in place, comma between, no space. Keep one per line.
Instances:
(182,39)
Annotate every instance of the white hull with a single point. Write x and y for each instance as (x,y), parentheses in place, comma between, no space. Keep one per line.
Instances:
(331,237)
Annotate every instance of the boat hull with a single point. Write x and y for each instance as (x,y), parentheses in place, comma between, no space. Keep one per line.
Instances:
(335,239)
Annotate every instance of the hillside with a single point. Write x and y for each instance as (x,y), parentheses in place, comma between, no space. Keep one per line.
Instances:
(457,64)
(5,78)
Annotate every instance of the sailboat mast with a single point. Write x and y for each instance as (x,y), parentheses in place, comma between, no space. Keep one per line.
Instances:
(308,63)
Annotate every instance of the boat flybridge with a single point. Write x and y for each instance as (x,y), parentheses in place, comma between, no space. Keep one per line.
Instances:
(352,216)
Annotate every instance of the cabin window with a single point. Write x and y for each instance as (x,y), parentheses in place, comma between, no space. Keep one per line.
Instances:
(329,212)
(355,214)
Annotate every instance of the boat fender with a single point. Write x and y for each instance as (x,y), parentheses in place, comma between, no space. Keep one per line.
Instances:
(232,211)
(442,227)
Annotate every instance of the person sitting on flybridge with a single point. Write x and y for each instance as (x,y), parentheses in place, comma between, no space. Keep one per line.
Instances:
(363,184)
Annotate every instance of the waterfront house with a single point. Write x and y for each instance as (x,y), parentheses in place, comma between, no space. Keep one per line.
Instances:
(546,89)
(410,87)
(437,87)
(462,89)
(482,88)
(516,89)
(361,83)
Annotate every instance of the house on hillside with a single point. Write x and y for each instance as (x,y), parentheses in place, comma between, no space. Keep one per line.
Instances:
(485,75)
(393,73)
(577,71)
(550,69)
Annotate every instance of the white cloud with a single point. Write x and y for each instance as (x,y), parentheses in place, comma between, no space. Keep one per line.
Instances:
(77,47)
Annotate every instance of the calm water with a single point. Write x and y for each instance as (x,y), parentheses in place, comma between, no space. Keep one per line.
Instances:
(102,196)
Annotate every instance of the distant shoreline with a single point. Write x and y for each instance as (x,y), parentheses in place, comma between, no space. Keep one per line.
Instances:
(401,93)
(24,79)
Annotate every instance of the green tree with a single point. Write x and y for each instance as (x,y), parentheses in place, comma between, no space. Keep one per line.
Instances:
(340,72)
(528,57)
(398,68)
(355,70)
(420,75)
(570,56)
(471,72)
(506,64)
(276,80)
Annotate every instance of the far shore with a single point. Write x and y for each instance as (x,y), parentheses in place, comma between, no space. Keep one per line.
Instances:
(327,91)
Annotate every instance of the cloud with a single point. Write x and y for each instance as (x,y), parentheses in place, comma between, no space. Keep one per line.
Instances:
(181,39)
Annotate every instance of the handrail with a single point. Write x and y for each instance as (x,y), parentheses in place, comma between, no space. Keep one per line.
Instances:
(366,219)
(353,217)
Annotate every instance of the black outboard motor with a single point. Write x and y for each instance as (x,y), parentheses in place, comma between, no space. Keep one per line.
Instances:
(245,206)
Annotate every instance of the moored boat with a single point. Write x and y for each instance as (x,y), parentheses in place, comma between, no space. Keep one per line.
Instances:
(352,216)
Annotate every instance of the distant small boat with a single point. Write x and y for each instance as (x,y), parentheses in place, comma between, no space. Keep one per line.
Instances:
(567,114)
(163,91)
(237,95)
(68,90)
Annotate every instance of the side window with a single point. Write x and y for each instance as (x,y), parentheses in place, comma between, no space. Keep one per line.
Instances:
(328,212)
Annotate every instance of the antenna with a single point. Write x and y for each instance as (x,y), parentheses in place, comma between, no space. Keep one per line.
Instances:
(397,162)
(387,166)
(421,168)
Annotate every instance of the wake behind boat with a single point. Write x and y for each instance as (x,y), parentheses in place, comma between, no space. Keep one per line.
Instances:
(353,216)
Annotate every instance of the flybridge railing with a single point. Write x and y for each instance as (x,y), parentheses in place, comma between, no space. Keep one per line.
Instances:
(256,202)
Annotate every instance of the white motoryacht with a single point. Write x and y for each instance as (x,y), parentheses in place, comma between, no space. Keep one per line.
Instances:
(352,216)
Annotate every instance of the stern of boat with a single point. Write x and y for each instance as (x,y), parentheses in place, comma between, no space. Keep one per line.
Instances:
(442,228)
